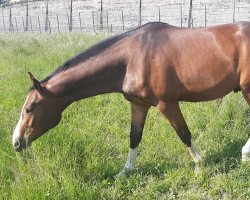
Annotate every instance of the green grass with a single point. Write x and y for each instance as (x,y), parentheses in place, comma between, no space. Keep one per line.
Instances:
(80,157)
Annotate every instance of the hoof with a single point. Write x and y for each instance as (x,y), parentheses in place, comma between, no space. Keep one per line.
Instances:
(245,158)
(123,173)
(198,169)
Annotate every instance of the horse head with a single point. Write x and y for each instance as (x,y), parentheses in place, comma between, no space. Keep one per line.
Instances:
(39,114)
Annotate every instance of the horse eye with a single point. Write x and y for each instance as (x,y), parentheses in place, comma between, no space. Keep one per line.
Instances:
(29,110)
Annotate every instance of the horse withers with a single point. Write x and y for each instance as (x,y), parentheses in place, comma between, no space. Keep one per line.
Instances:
(154,65)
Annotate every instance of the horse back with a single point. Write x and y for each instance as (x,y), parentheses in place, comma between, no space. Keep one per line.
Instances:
(186,64)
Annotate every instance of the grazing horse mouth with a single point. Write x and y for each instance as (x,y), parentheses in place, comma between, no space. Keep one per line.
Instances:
(20,144)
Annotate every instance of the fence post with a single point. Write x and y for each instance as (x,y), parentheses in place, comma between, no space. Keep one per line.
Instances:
(16,25)
(205,15)
(80,21)
(181,14)
(3,21)
(108,21)
(101,16)
(49,27)
(68,21)
(93,20)
(39,25)
(27,17)
(58,26)
(10,22)
(70,16)
(190,13)
(122,21)
(31,28)
(47,17)
(23,24)
(159,14)
(140,14)
(234,12)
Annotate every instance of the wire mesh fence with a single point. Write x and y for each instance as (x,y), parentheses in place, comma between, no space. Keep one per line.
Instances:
(75,16)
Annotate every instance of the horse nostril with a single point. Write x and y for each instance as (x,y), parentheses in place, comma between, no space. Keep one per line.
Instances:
(16,144)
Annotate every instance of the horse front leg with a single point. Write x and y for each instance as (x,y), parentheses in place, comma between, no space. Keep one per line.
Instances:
(138,117)
(172,112)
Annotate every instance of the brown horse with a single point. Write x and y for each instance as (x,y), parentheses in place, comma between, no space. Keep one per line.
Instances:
(154,65)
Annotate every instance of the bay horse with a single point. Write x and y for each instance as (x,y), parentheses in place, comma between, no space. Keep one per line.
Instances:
(154,65)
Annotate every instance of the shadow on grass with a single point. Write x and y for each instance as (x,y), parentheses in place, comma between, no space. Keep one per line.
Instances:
(229,158)
(157,170)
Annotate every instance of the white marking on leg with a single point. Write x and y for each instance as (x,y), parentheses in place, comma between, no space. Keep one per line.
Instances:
(195,153)
(246,151)
(130,163)
(16,133)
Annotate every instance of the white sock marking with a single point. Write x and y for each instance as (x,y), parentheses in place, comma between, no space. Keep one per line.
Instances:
(246,151)
(195,153)
(130,163)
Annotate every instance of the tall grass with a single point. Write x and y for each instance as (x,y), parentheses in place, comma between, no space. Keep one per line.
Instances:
(80,157)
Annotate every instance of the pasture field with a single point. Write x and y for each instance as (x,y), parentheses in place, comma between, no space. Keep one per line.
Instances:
(81,156)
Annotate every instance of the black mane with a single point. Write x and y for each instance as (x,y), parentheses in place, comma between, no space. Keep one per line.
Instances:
(90,52)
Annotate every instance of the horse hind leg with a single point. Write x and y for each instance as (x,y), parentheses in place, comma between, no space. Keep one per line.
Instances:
(173,113)
(246,147)
(138,117)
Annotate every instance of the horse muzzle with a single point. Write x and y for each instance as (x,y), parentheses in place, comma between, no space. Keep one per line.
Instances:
(20,144)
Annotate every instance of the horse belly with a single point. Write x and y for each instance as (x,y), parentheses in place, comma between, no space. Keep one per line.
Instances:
(208,86)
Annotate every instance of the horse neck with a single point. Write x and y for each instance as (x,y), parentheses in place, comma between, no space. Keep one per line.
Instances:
(99,74)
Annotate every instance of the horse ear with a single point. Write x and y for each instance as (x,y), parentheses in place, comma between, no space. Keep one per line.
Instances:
(35,83)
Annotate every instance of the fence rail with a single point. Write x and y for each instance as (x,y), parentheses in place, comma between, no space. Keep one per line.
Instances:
(44,18)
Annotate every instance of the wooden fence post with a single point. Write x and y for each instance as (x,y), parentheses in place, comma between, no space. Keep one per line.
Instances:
(23,24)
(10,22)
(58,26)
(159,14)
(49,27)
(122,21)
(234,12)
(68,21)
(108,21)
(80,21)
(39,24)
(93,20)
(31,28)
(101,17)
(205,15)
(47,17)
(70,16)
(181,15)
(139,23)
(16,25)
(27,17)
(190,13)
(3,21)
